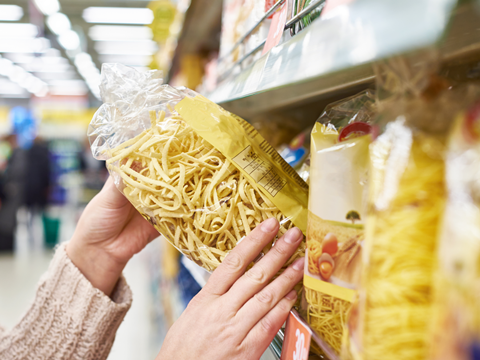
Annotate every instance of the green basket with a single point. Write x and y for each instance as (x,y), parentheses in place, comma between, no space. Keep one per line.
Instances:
(51,229)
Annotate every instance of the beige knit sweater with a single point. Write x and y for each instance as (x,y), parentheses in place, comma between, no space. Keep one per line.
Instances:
(69,319)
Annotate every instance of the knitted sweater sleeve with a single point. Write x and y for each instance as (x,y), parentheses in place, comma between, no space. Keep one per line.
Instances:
(69,319)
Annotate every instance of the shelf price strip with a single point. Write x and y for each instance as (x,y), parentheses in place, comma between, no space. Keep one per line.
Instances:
(298,335)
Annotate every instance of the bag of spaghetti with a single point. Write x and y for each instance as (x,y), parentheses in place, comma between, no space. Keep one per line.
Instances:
(456,311)
(338,179)
(202,176)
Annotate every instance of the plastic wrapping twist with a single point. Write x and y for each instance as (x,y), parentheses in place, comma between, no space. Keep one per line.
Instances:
(202,176)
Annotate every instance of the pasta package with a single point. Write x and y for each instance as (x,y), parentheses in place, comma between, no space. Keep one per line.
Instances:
(456,311)
(202,176)
(337,201)
(406,201)
(338,178)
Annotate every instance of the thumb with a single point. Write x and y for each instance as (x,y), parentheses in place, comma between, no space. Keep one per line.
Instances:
(111,197)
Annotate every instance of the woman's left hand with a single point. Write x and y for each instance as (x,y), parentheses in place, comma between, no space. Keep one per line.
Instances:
(237,314)
(108,234)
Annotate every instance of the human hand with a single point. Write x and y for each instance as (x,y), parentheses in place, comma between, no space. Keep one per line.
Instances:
(108,234)
(237,314)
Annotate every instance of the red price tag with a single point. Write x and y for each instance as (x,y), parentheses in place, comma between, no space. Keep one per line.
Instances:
(296,343)
(268,6)
(276,29)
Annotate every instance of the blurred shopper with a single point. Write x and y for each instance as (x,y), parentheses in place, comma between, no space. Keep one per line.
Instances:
(37,183)
(94,172)
(83,298)
(13,185)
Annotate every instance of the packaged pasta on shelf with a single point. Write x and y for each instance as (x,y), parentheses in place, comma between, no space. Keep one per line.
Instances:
(456,311)
(338,180)
(201,175)
(406,202)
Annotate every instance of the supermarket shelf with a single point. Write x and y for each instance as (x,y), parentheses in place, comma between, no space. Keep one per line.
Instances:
(315,65)
(290,24)
(199,32)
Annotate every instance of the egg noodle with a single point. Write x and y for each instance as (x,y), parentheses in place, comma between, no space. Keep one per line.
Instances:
(191,192)
(327,316)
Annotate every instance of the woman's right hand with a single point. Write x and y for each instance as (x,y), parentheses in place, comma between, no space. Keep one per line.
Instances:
(237,314)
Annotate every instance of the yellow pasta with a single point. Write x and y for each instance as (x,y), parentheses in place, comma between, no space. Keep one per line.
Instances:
(402,238)
(327,316)
(190,192)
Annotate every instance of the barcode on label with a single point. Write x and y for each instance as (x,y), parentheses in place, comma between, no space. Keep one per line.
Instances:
(263,174)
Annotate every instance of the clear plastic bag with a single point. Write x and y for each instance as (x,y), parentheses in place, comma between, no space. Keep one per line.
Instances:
(406,201)
(360,107)
(456,312)
(335,233)
(202,176)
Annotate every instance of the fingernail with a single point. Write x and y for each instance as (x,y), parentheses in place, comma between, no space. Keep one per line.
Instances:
(299,264)
(292,295)
(269,225)
(293,235)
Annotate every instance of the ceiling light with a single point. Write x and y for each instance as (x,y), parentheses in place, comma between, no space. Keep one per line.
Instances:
(17,74)
(142,47)
(132,60)
(119,32)
(27,81)
(10,12)
(69,40)
(5,66)
(18,31)
(36,45)
(58,23)
(114,15)
(47,7)
(20,58)
(87,72)
(10,88)
(37,86)
(68,87)
(83,60)
(40,67)
(40,45)
(58,75)
(51,60)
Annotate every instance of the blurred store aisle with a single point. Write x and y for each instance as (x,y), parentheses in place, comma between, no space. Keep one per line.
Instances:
(21,271)
(135,337)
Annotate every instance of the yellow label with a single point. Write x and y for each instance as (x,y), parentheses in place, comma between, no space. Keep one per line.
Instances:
(260,171)
(250,153)
(329,289)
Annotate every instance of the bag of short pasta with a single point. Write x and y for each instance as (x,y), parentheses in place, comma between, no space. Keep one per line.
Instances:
(456,311)
(202,176)
(338,179)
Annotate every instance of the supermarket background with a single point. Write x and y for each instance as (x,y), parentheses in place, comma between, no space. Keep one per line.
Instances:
(51,52)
